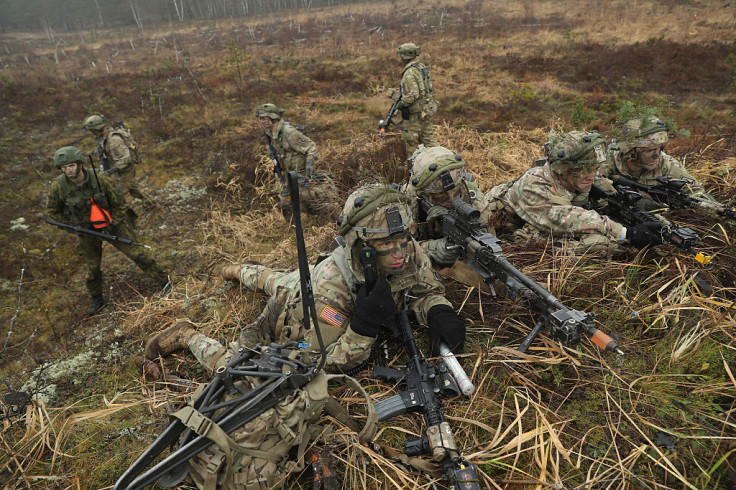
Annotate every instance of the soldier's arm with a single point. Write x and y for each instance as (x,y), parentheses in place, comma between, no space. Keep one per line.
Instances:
(115,198)
(54,203)
(300,143)
(410,89)
(429,292)
(118,152)
(671,167)
(553,214)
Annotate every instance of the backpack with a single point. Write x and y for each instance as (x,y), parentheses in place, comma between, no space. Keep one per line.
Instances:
(266,450)
(130,142)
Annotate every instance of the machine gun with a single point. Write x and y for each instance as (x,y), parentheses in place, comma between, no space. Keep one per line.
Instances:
(275,372)
(670,192)
(463,229)
(424,393)
(78,230)
(384,123)
(622,208)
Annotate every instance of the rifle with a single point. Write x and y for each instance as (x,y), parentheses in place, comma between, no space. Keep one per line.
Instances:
(463,228)
(670,192)
(78,230)
(281,370)
(623,209)
(425,387)
(384,123)
(277,170)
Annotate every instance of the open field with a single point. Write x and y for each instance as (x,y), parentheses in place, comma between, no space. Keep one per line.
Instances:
(505,73)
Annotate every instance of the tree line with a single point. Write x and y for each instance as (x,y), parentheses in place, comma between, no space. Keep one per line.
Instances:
(75,15)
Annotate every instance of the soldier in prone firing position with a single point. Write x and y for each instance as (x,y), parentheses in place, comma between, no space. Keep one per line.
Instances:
(376,216)
(291,150)
(71,199)
(553,200)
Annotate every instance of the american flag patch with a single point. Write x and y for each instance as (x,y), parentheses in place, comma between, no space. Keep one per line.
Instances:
(332,316)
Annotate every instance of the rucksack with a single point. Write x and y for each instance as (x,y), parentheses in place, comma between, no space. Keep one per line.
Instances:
(130,142)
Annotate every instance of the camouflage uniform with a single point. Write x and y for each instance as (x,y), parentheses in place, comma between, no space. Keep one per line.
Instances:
(296,152)
(425,182)
(417,99)
(70,203)
(547,209)
(120,157)
(334,280)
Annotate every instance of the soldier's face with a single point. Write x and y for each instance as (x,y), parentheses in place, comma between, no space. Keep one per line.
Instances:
(98,131)
(391,253)
(645,158)
(445,198)
(580,180)
(266,122)
(71,170)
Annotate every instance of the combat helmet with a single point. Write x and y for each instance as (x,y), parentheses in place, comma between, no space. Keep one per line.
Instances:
(435,169)
(375,211)
(270,111)
(642,132)
(95,122)
(408,51)
(576,150)
(68,154)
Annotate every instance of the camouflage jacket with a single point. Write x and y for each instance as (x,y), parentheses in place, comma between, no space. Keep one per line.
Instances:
(539,199)
(668,166)
(70,203)
(292,148)
(336,282)
(416,87)
(116,150)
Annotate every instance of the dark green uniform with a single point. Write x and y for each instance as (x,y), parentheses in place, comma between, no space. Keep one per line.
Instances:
(71,203)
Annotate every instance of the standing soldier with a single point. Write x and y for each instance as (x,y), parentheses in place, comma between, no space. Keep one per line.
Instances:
(72,197)
(289,150)
(118,155)
(350,319)
(417,103)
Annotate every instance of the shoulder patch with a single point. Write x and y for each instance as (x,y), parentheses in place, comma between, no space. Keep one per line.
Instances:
(332,316)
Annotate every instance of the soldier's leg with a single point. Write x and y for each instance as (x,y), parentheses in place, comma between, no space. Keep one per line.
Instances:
(426,136)
(91,249)
(411,134)
(257,277)
(138,255)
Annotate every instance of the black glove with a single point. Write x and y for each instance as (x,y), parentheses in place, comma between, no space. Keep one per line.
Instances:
(645,234)
(374,310)
(445,326)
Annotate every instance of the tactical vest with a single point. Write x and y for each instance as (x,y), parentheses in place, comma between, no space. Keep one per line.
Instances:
(76,200)
(426,89)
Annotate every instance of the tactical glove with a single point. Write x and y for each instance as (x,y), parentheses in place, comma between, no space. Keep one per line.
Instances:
(646,204)
(440,254)
(310,168)
(112,170)
(403,110)
(436,213)
(645,234)
(445,326)
(374,310)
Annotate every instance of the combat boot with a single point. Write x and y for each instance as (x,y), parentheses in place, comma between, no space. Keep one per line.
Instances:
(175,337)
(231,272)
(97,303)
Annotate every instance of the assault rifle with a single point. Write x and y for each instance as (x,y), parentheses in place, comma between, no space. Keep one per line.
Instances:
(670,192)
(277,170)
(282,372)
(78,230)
(463,229)
(622,208)
(384,123)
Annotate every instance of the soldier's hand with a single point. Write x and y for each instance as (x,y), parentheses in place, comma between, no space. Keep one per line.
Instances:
(112,170)
(436,213)
(310,168)
(645,234)
(375,310)
(445,326)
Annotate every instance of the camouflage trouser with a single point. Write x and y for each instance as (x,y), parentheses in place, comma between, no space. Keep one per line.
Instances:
(91,249)
(417,131)
(128,184)
(317,196)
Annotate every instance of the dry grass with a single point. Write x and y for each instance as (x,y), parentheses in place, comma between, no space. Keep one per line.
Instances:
(506,73)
